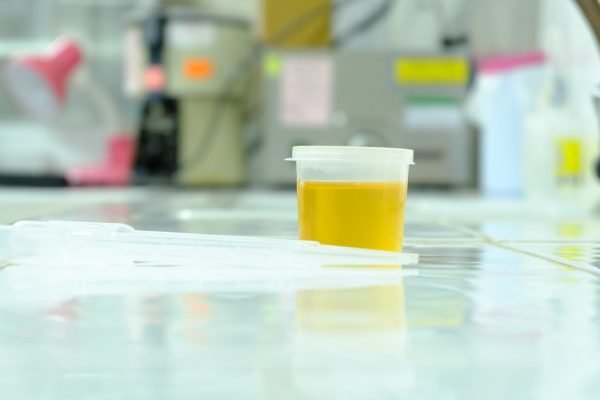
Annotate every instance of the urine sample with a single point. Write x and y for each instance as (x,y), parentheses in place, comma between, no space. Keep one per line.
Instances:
(352,196)
(358,214)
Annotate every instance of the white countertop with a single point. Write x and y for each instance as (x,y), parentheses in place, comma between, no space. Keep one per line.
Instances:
(503,304)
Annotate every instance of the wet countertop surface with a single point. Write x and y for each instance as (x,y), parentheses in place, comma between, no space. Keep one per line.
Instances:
(504,303)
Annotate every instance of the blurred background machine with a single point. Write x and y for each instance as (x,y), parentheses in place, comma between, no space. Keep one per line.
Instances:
(591,10)
(316,90)
(179,63)
(192,70)
(96,153)
(79,132)
(219,90)
(368,98)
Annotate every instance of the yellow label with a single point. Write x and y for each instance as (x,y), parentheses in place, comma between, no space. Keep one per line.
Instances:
(450,71)
(570,158)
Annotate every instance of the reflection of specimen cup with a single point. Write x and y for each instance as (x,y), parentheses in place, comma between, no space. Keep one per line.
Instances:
(356,309)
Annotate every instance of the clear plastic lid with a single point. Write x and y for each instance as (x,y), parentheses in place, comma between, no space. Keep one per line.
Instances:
(352,153)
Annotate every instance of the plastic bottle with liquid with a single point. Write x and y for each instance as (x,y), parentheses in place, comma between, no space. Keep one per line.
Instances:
(556,149)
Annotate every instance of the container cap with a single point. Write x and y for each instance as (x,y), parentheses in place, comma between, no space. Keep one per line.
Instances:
(352,153)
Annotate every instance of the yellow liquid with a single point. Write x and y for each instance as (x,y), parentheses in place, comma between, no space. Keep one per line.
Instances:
(355,214)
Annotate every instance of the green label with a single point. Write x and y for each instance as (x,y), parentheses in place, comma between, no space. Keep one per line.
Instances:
(272,65)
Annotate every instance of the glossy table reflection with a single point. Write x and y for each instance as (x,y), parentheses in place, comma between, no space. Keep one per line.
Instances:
(486,314)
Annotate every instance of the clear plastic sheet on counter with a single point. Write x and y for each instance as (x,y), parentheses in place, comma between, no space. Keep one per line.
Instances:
(49,260)
(65,243)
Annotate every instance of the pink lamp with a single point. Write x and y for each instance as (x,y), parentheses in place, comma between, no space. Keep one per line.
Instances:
(38,83)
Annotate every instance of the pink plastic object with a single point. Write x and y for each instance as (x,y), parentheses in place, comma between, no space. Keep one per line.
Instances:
(499,64)
(27,74)
(115,171)
(57,66)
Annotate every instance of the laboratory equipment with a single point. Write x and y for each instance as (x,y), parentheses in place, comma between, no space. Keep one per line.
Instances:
(39,84)
(503,28)
(66,243)
(368,98)
(504,94)
(597,107)
(178,61)
(591,10)
(352,196)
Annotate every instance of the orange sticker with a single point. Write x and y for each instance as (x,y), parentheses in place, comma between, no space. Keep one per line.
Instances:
(198,68)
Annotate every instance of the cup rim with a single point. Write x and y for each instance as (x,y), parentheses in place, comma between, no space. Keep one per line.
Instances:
(352,154)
